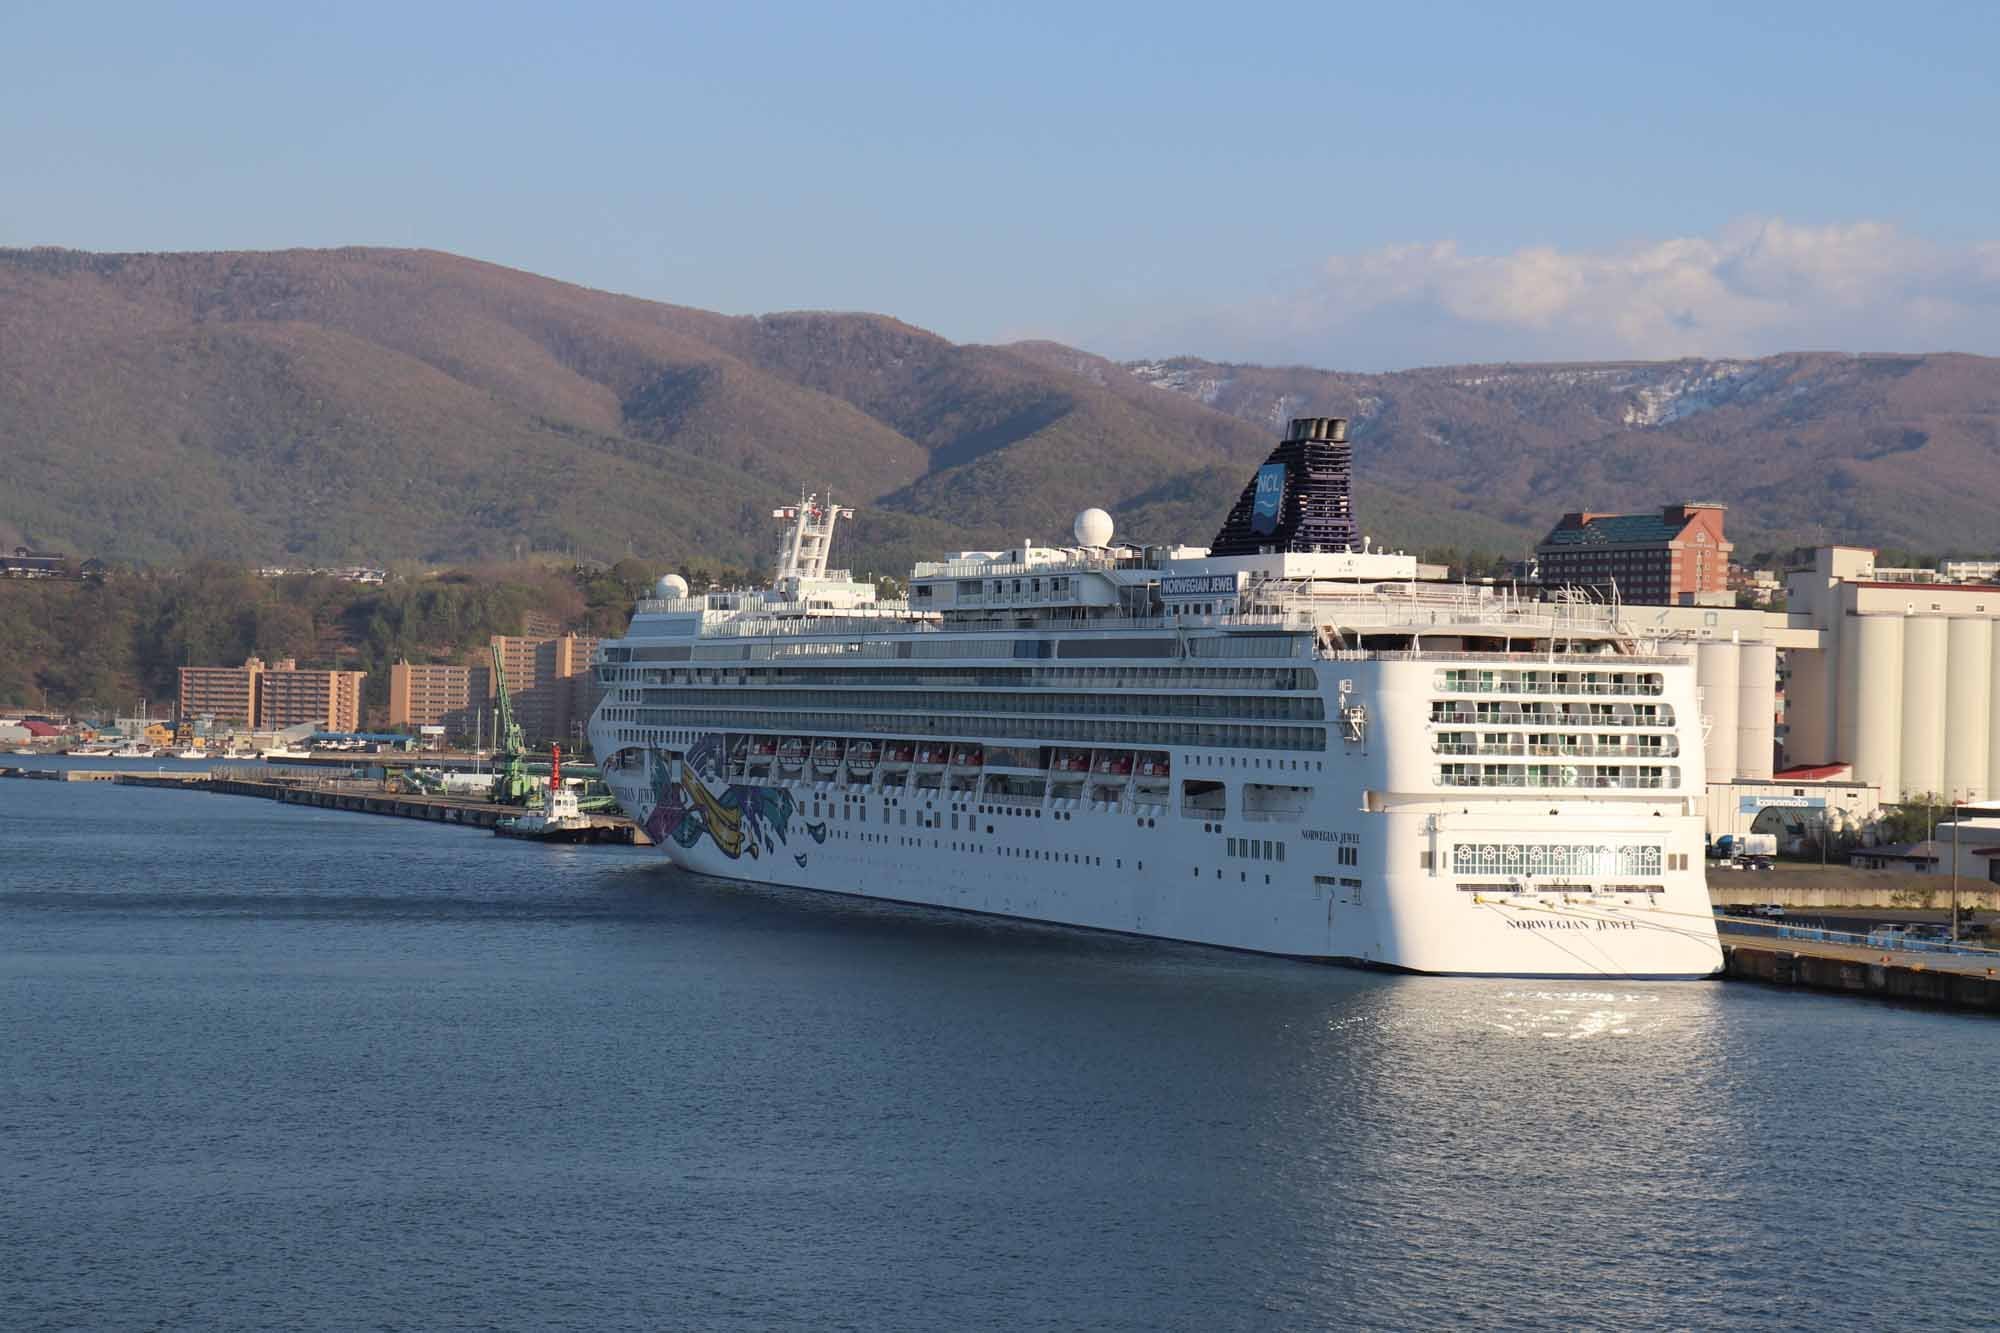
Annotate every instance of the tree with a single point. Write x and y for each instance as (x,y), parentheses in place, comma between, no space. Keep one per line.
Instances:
(1912,821)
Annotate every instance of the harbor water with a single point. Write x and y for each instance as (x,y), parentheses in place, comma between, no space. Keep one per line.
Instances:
(268,1066)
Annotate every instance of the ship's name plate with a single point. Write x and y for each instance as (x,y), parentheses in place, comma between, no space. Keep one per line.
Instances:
(1569,923)
(1327,835)
(1183,587)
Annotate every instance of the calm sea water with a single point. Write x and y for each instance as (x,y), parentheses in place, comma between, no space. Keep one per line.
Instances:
(267,1067)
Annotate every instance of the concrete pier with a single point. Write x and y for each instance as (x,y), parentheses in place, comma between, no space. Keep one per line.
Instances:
(1953,981)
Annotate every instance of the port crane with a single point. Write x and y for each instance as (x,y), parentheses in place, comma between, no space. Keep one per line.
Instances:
(511,783)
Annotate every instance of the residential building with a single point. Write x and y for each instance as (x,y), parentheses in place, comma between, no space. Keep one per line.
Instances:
(440,695)
(1675,557)
(227,694)
(549,682)
(272,697)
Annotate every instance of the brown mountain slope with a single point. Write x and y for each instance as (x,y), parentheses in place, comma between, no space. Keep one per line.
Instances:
(374,404)
(1893,450)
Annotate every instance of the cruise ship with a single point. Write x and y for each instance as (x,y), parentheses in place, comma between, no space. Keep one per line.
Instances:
(1284,742)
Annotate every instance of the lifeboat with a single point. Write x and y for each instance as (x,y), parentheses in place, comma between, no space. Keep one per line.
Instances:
(826,755)
(931,756)
(1155,766)
(898,754)
(1114,763)
(1072,761)
(968,756)
(861,758)
(792,753)
(762,748)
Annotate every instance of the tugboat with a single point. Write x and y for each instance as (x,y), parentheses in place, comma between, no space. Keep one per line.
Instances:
(560,819)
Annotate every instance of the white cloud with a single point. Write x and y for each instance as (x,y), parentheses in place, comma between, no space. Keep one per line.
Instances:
(1757,286)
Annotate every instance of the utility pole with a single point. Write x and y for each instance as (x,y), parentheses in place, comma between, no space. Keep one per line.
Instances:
(1954,872)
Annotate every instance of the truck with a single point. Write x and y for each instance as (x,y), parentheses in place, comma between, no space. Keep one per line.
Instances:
(1746,846)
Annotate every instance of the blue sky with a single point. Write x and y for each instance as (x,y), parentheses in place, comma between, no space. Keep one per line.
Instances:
(1364,187)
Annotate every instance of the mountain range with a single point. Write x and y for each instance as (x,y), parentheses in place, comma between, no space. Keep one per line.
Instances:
(366,404)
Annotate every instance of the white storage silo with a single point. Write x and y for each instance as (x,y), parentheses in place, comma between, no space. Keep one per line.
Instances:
(1756,709)
(1843,684)
(1924,639)
(1874,653)
(1993,730)
(1968,707)
(1716,671)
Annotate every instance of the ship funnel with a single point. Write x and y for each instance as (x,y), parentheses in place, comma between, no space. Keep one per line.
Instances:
(1332,430)
(1299,500)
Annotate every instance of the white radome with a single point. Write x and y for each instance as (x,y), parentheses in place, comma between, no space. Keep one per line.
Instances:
(1093,528)
(671,585)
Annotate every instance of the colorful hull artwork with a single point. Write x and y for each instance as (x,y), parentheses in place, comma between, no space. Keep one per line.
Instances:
(740,820)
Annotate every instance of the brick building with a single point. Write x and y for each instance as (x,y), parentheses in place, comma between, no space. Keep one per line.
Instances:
(1671,557)
(272,697)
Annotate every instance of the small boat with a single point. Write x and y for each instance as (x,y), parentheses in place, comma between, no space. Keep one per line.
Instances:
(1071,761)
(861,756)
(792,753)
(191,752)
(561,818)
(968,756)
(132,750)
(898,754)
(932,756)
(1155,765)
(826,755)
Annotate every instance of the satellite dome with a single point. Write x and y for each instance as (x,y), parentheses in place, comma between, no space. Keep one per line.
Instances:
(671,585)
(1093,528)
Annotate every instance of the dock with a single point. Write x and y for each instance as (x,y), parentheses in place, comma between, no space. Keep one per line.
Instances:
(1966,981)
(329,793)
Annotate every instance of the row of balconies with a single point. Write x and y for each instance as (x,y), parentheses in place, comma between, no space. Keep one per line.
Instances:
(1563,778)
(1670,750)
(1646,715)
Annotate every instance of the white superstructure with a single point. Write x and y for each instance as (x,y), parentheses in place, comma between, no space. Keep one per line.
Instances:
(1285,748)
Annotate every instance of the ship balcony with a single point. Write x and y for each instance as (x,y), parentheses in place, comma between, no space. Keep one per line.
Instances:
(1442,713)
(1520,750)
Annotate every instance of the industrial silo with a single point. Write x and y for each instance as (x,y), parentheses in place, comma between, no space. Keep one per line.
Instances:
(1968,708)
(1756,709)
(1924,639)
(1874,652)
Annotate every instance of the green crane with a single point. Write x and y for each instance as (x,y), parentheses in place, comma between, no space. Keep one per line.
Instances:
(511,784)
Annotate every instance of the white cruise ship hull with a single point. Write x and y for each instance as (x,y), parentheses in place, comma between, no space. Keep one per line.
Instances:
(1104,867)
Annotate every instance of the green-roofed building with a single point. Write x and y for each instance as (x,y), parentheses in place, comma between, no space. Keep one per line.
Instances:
(1670,557)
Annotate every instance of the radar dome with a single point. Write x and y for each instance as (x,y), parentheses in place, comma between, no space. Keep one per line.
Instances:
(671,585)
(1093,528)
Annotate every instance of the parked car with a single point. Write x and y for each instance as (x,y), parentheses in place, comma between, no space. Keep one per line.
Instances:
(1768,909)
